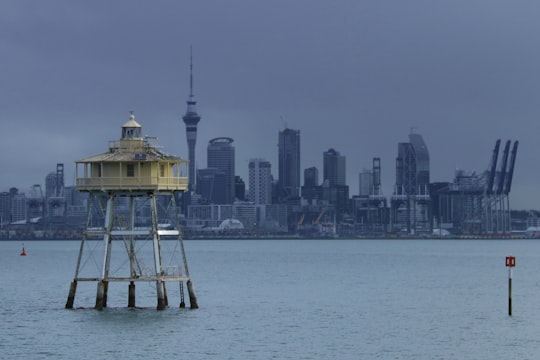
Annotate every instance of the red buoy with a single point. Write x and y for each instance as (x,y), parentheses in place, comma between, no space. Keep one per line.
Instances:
(23,252)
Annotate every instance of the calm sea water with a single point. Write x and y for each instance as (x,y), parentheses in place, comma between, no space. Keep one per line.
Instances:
(298,299)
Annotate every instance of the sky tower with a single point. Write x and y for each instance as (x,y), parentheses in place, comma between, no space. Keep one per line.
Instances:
(191,119)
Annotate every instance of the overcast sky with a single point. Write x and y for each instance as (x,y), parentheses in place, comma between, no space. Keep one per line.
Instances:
(353,75)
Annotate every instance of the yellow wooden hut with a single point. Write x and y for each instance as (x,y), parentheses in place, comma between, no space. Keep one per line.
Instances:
(133,163)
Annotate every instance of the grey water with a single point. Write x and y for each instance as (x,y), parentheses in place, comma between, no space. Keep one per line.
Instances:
(285,299)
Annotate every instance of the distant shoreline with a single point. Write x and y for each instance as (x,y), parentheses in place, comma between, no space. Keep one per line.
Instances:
(292,237)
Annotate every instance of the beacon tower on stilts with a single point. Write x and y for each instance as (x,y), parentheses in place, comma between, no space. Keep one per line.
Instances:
(131,207)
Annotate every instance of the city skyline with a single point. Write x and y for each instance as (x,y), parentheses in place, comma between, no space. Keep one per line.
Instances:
(470,204)
(356,77)
(221,158)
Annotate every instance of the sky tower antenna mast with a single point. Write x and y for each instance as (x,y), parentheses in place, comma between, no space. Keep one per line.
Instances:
(191,119)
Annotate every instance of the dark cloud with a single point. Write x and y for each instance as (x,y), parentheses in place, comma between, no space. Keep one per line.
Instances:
(353,75)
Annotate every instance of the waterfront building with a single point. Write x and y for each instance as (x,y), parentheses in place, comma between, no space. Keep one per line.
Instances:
(5,207)
(260,182)
(289,164)
(246,214)
(18,208)
(204,218)
(221,157)
(207,219)
(458,206)
(272,218)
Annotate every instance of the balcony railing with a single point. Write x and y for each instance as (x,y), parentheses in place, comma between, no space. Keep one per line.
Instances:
(132,183)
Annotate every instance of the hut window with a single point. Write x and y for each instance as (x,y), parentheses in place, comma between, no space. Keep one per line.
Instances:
(162,170)
(130,170)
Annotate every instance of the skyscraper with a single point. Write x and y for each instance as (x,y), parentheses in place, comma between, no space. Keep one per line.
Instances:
(311,177)
(260,181)
(410,209)
(335,191)
(422,163)
(191,119)
(239,188)
(289,163)
(334,167)
(412,167)
(5,208)
(221,156)
(18,208)
(365,183)
(212,186)
(312,191)
(405,170)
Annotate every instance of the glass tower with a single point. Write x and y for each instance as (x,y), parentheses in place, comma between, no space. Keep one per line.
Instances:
(221,156)
(289,163)
(334,167)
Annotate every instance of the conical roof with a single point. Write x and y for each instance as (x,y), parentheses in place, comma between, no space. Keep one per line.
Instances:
(131,123)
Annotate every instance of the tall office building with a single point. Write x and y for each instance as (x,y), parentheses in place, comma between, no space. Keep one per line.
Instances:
(410,201)
(18,208)
(239,188)
(191,119)
(311,177)
(365,183)
(333,167)
(220,154)
(289,163)
(5,205)
(311,191)
(212,186)
(335,191)
(405,170)
(422,163)
(412,167)
(260,182)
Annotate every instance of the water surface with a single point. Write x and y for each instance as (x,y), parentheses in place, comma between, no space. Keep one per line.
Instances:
(297,299)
